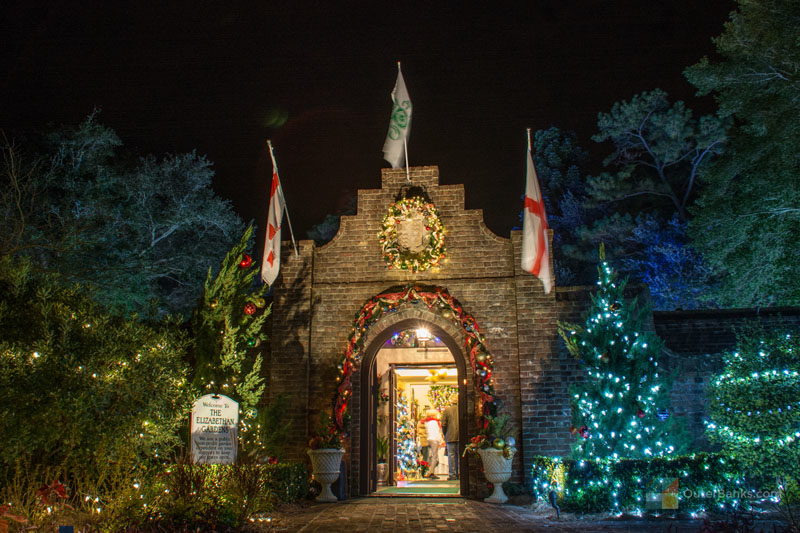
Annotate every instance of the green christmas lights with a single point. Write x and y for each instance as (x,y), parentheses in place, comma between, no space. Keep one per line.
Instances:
(754,408)
(615,411)
(687,483)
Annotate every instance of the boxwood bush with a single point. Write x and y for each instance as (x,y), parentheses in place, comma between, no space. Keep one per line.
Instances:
(692,483)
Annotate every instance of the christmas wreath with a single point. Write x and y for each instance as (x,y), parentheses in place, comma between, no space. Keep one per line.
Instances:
(412,236)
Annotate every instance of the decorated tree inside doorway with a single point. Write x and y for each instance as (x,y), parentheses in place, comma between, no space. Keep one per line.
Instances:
(406,445)
(228,328)
(622,407)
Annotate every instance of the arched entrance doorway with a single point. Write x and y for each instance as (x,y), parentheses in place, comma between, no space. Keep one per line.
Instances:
(382,373)
(377,316)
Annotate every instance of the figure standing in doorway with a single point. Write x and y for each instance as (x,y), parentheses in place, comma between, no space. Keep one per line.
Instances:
(434,434)
(450,427)
(422,438)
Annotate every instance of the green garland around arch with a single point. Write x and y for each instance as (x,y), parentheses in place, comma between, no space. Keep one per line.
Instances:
(436,299)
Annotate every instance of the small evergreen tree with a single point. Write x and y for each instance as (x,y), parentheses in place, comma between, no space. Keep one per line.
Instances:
(228,327)
(406,446)
(755,403)
(615,411)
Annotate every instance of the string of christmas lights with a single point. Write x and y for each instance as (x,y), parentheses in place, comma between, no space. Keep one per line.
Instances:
(436,299)
(396,256)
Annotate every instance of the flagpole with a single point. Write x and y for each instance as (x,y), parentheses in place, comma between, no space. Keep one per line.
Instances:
(405,142)
(405,146)
(285,207)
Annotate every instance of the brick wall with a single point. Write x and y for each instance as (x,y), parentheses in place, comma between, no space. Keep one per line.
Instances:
(320,291)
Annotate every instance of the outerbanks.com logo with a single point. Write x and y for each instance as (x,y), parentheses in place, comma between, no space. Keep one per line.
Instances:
(663,494)
(666,493)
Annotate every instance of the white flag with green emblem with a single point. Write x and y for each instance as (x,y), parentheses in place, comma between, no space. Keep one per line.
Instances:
(394,149)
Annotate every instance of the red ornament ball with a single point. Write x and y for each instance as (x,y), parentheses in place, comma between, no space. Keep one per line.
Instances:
(246,261)
(640,413)
(584,432)
(250,308)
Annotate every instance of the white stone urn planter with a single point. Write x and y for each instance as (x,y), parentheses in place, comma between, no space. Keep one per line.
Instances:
(325,464)
(382,472)
(497,470)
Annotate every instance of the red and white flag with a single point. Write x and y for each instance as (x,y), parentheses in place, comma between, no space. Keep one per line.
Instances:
(535,249)
(272,243)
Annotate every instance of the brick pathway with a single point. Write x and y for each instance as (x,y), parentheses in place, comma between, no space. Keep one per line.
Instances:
(429,515)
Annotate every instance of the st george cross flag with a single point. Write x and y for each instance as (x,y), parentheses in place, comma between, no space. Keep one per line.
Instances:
(394,149)
(535,248)
(272,243)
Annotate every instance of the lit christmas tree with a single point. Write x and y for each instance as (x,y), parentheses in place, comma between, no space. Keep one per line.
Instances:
(616,409)
(755,403)
(228,326)
(406,445)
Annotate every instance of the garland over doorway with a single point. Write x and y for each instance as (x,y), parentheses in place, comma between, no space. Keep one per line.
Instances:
(438,300)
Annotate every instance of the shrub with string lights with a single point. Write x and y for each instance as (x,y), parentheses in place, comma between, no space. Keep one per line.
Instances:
(618,409)
(755,403)
(82,389)
(676,483)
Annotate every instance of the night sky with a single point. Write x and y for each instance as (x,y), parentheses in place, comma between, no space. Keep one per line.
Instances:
(316,79)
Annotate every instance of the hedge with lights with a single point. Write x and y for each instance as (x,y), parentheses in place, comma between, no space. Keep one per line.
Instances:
(206,497)
(82,388)
(700,482)
(395,255)
(755,402)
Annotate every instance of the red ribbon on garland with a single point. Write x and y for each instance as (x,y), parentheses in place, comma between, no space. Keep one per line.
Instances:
(473,344)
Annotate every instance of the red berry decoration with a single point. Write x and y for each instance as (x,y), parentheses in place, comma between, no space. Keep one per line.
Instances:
(640,413)
(250,308)
(246,261)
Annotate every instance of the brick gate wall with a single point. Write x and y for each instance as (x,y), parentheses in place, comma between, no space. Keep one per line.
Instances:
(319,293)
(320,290)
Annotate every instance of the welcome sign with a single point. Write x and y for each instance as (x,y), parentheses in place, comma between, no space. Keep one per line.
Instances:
(214,430)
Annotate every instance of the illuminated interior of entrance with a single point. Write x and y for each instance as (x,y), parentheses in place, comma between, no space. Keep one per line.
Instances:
(417,380)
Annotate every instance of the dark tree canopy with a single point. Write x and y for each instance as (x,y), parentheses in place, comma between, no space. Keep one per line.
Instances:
(747,220)
(140,232)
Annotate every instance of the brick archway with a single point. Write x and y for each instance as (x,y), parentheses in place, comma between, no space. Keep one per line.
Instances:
(375,323)
(363,445)
(437,300)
